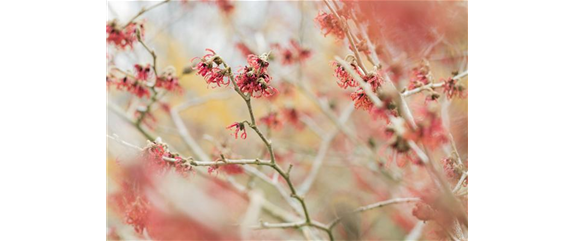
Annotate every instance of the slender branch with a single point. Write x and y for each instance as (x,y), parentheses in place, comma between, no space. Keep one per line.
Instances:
(224,162)
(317,163)
(429,87)
(272,164)
(152,87)
(144,10)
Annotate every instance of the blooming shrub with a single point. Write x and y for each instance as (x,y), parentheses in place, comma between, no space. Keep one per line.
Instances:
(341,130)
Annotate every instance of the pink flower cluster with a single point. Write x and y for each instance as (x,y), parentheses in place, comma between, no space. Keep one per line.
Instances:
(419,77)
(293,53)
(158,158)
(122,37)
(345,80)
(137,83)
(453,88)
(330,24)
(208,68)
(253,79)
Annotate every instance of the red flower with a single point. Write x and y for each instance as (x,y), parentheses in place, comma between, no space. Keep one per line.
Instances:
(292,116)
(225,6)
(453,88)
(361,99)
(123,37)
(345,80)
(212,74)
(154,154)
(258,63)
(142,73)
(168,81)
(430,130)
(330,24)
(419,77)
(134,86)
(238,127)
(294,53)
(272,121)
(253,79)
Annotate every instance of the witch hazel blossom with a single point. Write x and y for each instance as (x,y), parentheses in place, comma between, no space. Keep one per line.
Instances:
(330,24)
(123,37)
(453,88)
(238,127)
(272,120)
(254,79)
(293,53)
(345,80)
(159,159)
(168,80)
(132,85)
(208,68)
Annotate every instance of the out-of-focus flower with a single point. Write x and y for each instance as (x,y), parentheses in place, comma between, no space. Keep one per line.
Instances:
(330,24)
(168,80)
(134,86)
(453,88)
(361,100)
(159,159)
(123,37)
(293,53)
(292,116)
(272,120)
(423,211)
(142,72)
(419,76)
(430,130)
(345,80)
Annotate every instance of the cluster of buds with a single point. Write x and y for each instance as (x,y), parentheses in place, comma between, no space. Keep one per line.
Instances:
(253,79)
(123,37)
(293,53)
(208,68)
(329,23)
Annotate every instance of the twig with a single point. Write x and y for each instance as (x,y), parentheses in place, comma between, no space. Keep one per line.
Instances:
(370,207)
(144,10)
(317,163)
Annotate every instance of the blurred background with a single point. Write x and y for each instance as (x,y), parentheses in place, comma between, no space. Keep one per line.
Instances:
(209,205)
